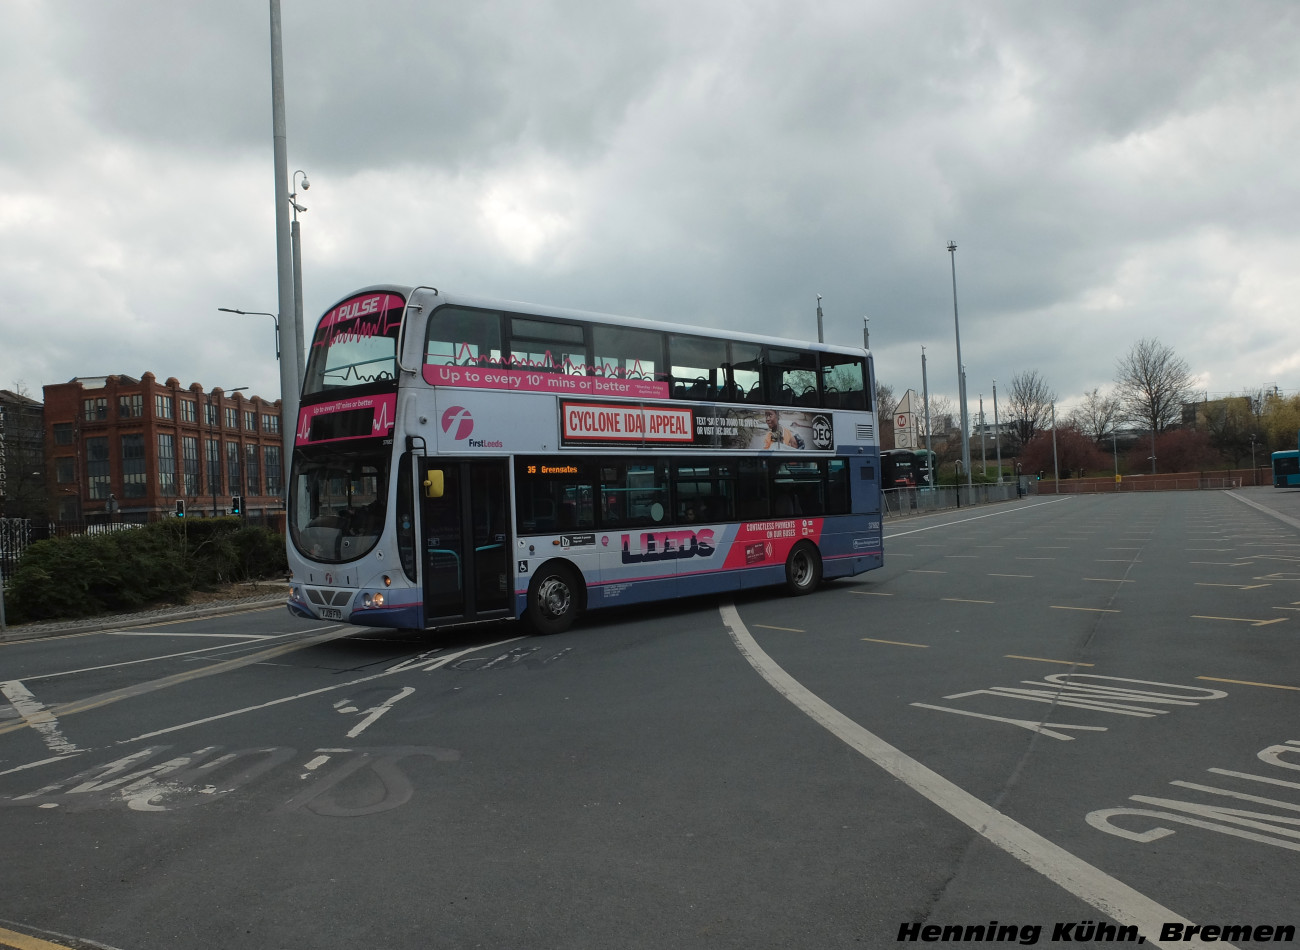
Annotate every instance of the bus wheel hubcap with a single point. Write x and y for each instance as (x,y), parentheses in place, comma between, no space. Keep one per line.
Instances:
(801,568)
(553,596)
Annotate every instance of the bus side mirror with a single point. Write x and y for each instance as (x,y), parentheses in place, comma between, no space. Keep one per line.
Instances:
(433,484)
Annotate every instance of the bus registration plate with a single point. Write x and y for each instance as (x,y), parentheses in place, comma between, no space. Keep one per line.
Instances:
(330,613)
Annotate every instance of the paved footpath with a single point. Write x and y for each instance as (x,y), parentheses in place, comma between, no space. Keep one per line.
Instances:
(260,595)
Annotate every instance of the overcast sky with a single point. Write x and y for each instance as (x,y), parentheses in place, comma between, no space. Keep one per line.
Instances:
(1108,170)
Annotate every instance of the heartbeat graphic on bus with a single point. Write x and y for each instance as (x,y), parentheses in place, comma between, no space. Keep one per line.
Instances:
(382,421)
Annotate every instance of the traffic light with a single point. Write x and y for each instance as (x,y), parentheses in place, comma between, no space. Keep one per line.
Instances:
(236,504)
(180,507)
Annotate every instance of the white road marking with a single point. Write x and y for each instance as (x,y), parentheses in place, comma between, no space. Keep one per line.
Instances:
(37,716)
(377,711)
(217,636)
(1112,897)
(949,524)
(398,668)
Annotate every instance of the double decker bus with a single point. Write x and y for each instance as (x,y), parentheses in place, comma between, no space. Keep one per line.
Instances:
(460,460)
(898,469)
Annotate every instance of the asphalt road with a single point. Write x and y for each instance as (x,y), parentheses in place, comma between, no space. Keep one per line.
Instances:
(1073,714)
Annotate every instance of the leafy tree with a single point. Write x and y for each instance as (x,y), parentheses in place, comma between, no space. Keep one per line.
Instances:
(1230,424)
(1031,402)
(1281,423)
(1185,450)
(1076,453)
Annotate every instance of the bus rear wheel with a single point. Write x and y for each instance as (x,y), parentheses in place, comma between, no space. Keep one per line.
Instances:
(555,598)
(803,569)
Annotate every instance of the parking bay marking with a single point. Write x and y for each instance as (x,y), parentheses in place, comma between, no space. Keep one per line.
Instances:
(1250,620)
(1109,895)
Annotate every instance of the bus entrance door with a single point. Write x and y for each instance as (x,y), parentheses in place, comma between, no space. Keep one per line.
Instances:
(465,541)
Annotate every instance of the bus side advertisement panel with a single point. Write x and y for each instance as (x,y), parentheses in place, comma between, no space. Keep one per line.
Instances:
(769,542)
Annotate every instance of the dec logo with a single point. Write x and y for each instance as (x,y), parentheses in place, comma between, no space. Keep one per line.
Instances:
(460,418)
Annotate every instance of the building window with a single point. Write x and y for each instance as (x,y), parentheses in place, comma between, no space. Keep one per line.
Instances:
(232,418)
(189,411)
(63,433)
(232,466)
(254,481)
(97,467)
(130,407)
(210,415)
(214,465)
(134,477)
(95,409)
(162,407)
(65,470)
(190,461)
(270,423)
(271,456)
(166,464)
(68,509)
(250,421)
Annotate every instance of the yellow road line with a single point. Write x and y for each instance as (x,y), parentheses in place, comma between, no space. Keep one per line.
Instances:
(1039,659)
(10,938)
(786,629)
(897,643)
(1216,679)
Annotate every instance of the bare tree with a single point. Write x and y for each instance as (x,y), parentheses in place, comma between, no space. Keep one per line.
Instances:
(1097,417)
(1031,405)
(886,401)
(1152,384)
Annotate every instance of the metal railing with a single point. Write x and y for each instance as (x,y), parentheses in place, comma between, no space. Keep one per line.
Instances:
(898,502)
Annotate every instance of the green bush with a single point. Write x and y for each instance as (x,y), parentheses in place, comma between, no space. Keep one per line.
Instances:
(163,562)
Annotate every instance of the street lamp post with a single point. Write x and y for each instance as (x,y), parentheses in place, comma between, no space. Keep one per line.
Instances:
(984,442)
(258,313)
(925,395)
(296,240)
(961,370)
(997,431)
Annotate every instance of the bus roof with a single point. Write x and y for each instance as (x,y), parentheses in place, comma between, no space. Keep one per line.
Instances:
(407,291)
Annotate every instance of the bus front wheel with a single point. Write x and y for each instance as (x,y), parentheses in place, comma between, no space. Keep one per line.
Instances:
(803,568)
(555,598)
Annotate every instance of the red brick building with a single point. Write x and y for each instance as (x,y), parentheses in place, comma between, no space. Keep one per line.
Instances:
(130,449)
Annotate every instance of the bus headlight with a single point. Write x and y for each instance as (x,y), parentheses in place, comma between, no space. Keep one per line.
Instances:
(372,600)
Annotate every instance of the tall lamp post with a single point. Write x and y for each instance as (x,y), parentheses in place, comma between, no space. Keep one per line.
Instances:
(961,369)
(296,240)
(258,313)
(997,430)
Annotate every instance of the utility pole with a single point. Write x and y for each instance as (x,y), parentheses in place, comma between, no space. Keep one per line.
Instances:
(820,337)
